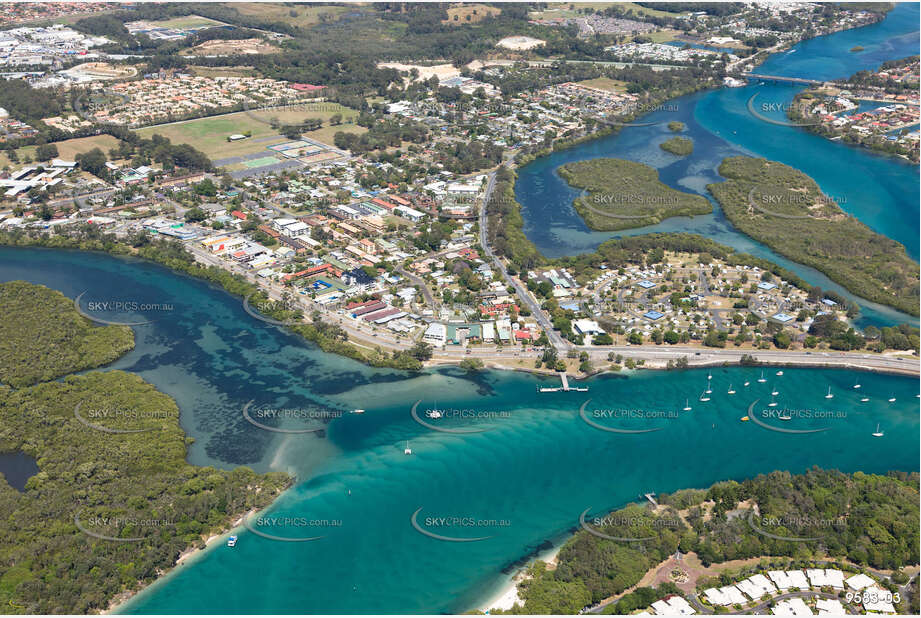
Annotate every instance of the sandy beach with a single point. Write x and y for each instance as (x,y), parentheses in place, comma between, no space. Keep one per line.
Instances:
(507,596)
(183,559)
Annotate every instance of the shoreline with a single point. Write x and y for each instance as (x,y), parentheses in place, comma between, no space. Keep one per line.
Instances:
(186,557)
(507,595)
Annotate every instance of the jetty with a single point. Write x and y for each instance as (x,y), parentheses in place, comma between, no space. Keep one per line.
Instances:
(565,387)
(652,498)
(782,79)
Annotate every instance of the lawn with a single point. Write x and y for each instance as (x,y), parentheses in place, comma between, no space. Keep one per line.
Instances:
(210,134)
(188,21)
(605,83)
(68,149)
(300,16)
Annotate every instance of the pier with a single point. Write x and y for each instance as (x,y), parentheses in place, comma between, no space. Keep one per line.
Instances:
(781,78)
(564,379)
(652,498)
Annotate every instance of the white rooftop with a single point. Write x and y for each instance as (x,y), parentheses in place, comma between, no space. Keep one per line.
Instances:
(859,581)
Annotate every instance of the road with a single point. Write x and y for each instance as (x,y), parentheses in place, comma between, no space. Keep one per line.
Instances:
(419,283)
(659,354)
(523,294)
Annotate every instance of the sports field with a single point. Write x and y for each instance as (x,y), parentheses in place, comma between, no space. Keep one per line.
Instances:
(210,134)
(68,149)
(188,21)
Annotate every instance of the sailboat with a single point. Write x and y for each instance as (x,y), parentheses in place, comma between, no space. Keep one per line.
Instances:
(407,450)
(708,391)
(687,406)
(785,415)
(891,399)
(829,395)
(857,384)
(746,383)
(774,391)
(761,379)
(434,412)
(877,433)
(731,390)
(780,373)
(704,397)
(773,403)
(864,399)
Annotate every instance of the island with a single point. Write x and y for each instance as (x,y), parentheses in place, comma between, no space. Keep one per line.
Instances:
(676,126)
(681,146)
(113,491)
(623,194)
(784,208)
(728,533)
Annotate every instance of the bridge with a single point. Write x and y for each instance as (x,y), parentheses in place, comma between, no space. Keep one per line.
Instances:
(780,78)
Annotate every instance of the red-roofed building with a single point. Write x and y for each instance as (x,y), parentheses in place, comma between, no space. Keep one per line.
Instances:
(523,335)
(497,308)
(383,203)
(239,215)
(316,270)
(305,87)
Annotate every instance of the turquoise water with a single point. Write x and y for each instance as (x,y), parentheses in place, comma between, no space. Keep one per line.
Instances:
(880,191)
(536,469)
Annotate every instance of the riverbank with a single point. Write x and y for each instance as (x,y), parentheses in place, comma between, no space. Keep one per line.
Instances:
(508,595)
(186,557)
(174,256)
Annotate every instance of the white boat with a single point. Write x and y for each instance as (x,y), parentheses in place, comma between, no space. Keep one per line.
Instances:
(731,390)
(773,403)
(857,384)
(891,399)
(761,379)
(407,450)
(704,397)
(433,413)
(785,416)
(829,395)
(687,406)
(357,411)
(774,391)
(709,390)
(780,373)
(746,383)
(232,541)
(864,399)
(877,433)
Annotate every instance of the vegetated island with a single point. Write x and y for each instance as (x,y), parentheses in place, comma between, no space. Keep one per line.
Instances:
(857,48)
(93,483)
(624,194)
(676,126)
(681,146)
(860,521)
(784,208)
(65,343)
